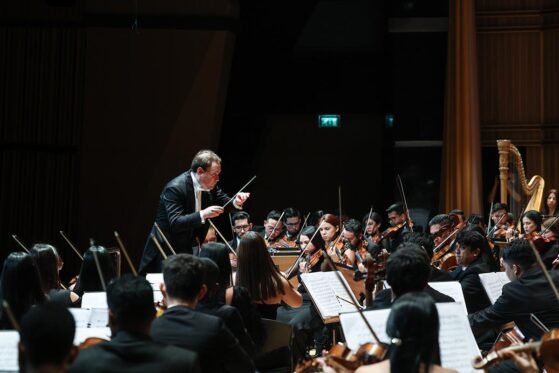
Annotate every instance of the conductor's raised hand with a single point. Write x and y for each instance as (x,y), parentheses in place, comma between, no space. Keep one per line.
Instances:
(211,212)
(241,198)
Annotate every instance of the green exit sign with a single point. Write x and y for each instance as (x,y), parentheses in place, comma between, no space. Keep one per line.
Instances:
(329,121)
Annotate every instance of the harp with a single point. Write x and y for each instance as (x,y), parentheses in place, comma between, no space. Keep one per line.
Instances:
(520,195)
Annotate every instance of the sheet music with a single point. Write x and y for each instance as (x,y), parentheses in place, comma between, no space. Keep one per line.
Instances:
(95,300)
(326,290)
(90,317)
(493,283)
(10,339)
(8,351)
(456,341)
(453,289)
(155,279)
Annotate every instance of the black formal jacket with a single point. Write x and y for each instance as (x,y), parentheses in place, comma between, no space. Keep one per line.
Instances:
(384,298)
(218,349)
(531,293)
(474,293)
(129,352)
(233,320)
(178,219)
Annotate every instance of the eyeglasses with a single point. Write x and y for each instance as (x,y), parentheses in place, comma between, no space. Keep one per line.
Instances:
(242,227)
(292,224)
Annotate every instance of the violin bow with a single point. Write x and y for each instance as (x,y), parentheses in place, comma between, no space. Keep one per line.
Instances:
(16,239)
(125,252)
(550,225)
(275,226)
(403,195)
(367,222)
(240,190)
(161,251)
(292,267)
(340,203)
(98,266)
(10,315)
(303,227)
(544,270)
(489,219)
(495,226)
(71,244)
(164,238)
(223,238)
(231,223)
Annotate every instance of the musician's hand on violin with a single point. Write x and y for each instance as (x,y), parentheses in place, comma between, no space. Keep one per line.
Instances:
(241,198)
(523,361)
(361,268)
(211,212)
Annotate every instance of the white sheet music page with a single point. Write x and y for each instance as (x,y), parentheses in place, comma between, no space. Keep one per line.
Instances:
(456,341)
(83,333)
(453,289)
(155,279)
(8,351)
(95,300)
(493,283)
(328,293)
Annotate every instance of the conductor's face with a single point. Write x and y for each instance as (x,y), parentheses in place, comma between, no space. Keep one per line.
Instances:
(210,177)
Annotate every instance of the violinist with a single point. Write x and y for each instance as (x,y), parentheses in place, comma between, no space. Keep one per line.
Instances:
(373,232)
(413,328)
(398,220)
(131,313)
(527,293)
(330,231)
(47,339)
(241,225)
(49,264)
(499,218)
(531,226)
(273,229)
(313,259)
(20,286)
(292,220)
(441,228)
(424,241)
(356,246)
(89,279)
(469,256)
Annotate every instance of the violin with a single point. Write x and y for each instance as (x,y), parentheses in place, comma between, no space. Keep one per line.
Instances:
(547,350)
(336,249)
(91,341)
(391,232)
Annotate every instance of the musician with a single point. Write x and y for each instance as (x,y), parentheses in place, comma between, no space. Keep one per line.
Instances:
(550,208)
(49,264)
(440,228)
(423,241)
(407,270)
(531,225)
(272,231)
(131,313)
(182,326)
(241,225)
(397,217)
(329,231)
(47,339)
(413,329)
(20,286)
(257,272)
(185,204)
(89,279)
(499,218)
(356,246)
(527,293)
(292,220)
(469,246)
(372,232)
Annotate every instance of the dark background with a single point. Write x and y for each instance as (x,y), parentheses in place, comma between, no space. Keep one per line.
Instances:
(103,103)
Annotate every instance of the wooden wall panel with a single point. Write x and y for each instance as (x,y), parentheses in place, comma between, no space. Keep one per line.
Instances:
(551,71)
(509,71)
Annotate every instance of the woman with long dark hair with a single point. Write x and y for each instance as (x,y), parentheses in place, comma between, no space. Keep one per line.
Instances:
(550,207)
(266,285)
(413,327)
(89,279)
(20,286)
(49,264)
(236,296)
